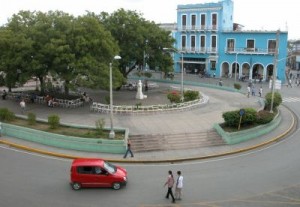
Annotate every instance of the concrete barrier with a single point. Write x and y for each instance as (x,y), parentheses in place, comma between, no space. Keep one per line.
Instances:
(67,142)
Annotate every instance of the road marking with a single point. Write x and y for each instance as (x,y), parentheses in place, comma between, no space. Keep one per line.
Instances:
(290,99)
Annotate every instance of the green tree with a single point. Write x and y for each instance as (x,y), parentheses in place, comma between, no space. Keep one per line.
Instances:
(77,50)
(139,40)
(276,101)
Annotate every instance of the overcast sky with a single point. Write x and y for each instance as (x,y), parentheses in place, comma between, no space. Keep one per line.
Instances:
(253,14)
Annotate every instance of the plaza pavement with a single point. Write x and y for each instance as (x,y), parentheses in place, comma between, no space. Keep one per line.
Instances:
(195,120)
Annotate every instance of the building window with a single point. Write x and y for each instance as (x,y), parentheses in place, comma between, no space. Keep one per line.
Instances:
(271,46)
(183,42)
(203,21)
(213,65)
(250,45)
(193,21)
(202,43)
(230,45)
(213,43)
(214,21)
(183,21)
(193,42)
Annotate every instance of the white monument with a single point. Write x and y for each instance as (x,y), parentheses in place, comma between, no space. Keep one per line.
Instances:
(139,93)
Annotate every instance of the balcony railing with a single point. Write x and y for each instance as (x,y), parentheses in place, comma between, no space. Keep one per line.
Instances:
(199,50)
(249,50)
(188,28)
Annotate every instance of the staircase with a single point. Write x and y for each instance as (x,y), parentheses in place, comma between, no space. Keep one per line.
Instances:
(159,142)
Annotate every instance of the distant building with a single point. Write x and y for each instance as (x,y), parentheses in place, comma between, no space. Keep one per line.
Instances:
(210,42)
(294,54)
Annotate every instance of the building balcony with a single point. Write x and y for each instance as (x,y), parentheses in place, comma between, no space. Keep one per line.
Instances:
(250,50)
(194,28)
(198,50)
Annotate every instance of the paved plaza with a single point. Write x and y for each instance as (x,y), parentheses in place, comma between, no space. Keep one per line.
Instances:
(190,121)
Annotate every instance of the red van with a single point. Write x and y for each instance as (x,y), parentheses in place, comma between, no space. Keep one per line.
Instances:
(94,172)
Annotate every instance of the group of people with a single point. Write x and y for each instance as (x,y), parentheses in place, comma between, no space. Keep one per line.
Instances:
(252,90)
(51,101)
(171,183)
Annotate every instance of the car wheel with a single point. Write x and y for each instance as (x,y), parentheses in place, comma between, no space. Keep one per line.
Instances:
(76,186)
(116,186)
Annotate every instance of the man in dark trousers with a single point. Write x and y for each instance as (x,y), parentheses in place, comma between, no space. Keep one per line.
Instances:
(170,184)
(128,149)
(4,94)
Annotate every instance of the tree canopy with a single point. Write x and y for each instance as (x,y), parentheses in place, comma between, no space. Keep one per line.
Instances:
(79,50)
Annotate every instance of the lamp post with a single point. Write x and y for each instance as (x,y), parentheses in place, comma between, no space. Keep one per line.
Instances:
(274,71)
(112,132)
(182,70)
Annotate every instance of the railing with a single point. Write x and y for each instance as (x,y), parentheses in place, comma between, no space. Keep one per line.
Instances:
(188,28)
(125,109)
(198,50)
(246,50)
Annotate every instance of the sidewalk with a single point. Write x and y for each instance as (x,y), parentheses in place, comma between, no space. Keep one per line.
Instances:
(199,119)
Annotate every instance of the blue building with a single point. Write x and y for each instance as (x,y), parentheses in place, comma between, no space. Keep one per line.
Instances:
(209,42)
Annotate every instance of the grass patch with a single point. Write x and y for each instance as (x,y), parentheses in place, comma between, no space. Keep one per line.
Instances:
(65,130)
(235,129)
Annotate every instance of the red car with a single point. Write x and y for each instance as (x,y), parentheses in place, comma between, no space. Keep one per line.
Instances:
(94,172)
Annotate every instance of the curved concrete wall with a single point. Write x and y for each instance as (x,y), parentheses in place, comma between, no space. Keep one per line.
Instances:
(67,142)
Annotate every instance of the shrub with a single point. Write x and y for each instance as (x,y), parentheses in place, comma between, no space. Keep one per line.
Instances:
(6,115)
(276,101)
(107,99)
(53,121)
(174,97)
(237,86)
(191,95)
(148,74)
(264,117)
(31,117)
(100,125)
(137,105)
(232,118)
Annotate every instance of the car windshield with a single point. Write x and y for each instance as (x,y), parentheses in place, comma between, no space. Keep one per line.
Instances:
(110,167)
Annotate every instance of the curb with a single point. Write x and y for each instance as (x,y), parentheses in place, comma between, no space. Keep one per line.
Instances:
(275,139)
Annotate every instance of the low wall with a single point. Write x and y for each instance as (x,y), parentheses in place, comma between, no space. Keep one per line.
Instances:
(67,142)
(244,135)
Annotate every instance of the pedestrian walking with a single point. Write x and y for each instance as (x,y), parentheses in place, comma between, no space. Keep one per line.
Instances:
(248,91)
(179,186)
(128,149)
(253,90)
(4,94)
(260,91)
(23,106)
(170,184)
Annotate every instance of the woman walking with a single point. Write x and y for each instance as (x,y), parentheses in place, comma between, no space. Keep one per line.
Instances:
(170,183)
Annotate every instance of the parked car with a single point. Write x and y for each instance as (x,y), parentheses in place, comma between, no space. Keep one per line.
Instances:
(94,172)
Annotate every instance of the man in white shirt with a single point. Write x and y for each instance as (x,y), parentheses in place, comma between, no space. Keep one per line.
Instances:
(23,105)
(179,186)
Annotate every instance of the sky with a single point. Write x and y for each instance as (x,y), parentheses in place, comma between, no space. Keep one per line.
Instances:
(252,14)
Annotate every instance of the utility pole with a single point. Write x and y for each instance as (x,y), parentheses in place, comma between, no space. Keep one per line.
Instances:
(275,70)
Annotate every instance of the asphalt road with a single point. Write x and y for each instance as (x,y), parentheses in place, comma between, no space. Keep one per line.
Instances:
(265,177)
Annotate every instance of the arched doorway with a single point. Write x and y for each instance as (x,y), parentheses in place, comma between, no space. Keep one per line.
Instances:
(245,71)
(269,74)
(257,71)
(235,70)
(225,69)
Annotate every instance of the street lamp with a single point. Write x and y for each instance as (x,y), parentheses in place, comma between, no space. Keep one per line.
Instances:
(112,132)
(182,69)
(274,70)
